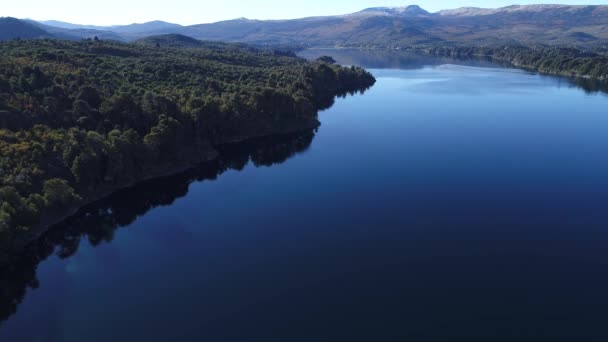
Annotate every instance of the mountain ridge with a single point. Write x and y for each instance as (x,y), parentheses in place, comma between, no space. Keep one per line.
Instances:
(13,28)
(411,10)
(572,25)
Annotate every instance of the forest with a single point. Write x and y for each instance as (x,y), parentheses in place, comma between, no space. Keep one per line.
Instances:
(550,60)
(81,119)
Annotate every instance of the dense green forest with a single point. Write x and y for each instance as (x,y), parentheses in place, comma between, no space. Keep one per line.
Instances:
(80,119)
(550,60)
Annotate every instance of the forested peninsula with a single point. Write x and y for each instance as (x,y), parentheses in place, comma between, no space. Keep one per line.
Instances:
(79,120)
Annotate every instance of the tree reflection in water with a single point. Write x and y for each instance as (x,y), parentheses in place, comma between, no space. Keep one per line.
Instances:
(408,60)
(99,221)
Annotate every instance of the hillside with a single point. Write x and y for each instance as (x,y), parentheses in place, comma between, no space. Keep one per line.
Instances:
(78,33)
(11,28)
(178,41)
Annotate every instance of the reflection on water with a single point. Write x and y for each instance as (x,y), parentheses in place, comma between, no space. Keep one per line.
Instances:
(98,222)
(591,85)
(389,59)
(405,60)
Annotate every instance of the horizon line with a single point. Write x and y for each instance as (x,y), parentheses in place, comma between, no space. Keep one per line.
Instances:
(285,19)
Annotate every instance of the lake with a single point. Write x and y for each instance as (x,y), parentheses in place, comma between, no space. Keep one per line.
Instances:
(454,200)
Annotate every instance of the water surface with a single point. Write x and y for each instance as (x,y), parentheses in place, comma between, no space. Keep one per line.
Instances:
(455,200)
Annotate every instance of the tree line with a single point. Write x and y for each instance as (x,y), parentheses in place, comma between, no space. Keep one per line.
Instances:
(551,60)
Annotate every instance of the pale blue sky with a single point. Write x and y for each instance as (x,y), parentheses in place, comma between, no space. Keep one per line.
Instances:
(109,12)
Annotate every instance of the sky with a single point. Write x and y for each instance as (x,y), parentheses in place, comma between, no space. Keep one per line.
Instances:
(188,12)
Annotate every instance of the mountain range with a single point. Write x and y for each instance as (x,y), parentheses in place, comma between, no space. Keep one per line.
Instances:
(582,26)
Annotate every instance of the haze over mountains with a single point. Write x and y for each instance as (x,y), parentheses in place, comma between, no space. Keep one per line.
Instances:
(379,26)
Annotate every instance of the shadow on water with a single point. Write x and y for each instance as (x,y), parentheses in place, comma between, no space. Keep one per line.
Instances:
(98,222)
(407,60)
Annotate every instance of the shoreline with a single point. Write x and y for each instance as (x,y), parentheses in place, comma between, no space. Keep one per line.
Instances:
(423,51)
(50,221)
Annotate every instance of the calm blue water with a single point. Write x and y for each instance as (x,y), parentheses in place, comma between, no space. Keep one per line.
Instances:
(453,201)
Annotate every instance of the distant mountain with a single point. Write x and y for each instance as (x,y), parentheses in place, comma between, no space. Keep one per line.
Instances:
(582,26)
(410,11)
(11,28)
(62,24)
(64,30)
(78,32)
(401,26)
(475,11)
(116,32)
(151,26)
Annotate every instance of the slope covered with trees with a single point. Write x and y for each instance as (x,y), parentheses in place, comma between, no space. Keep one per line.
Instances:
(11,28)
(550,60)
(81,119)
